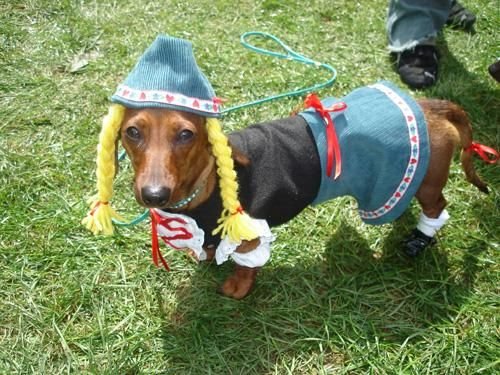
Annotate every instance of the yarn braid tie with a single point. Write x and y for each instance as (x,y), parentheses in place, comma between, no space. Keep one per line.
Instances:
(98,219)
(239,210)
(234,227)
(92,212)
(333,147)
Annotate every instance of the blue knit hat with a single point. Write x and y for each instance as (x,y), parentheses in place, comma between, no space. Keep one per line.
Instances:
(166,76)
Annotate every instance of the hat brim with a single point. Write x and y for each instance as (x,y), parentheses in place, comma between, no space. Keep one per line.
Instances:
(137,99)
(151,104)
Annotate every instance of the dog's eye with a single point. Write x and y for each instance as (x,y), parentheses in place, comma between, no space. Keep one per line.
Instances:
(185,136)
(133,133)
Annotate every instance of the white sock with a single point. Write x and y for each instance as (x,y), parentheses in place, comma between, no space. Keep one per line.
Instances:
(429,226)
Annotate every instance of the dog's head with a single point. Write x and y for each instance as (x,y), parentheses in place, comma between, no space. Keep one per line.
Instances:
(169,152)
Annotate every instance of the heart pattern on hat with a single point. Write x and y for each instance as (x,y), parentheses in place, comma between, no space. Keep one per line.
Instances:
(163,97)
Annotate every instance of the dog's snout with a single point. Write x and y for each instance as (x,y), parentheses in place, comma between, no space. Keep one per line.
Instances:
(155,196)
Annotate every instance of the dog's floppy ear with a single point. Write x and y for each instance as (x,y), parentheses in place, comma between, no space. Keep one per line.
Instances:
(239,157)
(117,162)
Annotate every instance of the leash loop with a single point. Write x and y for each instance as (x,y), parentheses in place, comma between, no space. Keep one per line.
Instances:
(289,54)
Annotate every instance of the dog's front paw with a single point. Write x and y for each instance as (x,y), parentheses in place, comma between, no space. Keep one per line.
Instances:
(210,251)
(240,283)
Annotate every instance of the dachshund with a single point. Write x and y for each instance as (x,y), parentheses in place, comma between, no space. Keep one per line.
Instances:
(278,168)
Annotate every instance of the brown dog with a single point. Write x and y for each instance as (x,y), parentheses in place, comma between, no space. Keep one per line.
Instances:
(171,156)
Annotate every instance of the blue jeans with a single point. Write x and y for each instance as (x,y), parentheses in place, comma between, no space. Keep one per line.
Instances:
(412,22)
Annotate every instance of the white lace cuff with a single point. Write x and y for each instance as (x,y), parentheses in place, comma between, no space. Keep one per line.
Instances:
(255,258)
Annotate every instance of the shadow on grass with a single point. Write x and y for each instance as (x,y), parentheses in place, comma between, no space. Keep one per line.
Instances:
(335,306)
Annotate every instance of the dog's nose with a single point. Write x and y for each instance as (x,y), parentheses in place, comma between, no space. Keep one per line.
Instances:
(155,196)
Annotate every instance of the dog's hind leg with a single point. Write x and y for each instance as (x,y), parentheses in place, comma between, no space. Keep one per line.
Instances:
(448,127)
(443,140)
(432,218)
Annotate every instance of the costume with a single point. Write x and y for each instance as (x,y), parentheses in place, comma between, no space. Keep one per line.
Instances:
(287,157)
(282,178)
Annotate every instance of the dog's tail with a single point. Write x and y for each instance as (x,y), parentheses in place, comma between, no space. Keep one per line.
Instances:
(457,116)
(470,171)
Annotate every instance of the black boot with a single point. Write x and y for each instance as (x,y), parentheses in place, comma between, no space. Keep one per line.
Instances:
(460,17)
(494,70)
(417,243)
(418,66)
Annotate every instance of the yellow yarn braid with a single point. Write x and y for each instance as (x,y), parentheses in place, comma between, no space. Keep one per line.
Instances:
(100,215)
(234,223)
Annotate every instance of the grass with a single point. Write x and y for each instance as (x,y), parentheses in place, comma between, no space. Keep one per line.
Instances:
(337,298)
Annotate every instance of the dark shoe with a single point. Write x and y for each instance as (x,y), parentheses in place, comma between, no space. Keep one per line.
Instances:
(418,66)
(460,17)
(494,70)
(417,243)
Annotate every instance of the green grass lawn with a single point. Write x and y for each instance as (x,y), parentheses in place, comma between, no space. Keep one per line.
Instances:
(337,296)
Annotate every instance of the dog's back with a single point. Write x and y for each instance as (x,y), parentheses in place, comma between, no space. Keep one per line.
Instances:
(284,172)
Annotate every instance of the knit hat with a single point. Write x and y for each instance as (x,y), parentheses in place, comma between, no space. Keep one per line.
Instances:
(167,76)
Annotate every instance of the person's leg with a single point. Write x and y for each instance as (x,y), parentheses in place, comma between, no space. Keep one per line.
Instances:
(414,22)
(412,26)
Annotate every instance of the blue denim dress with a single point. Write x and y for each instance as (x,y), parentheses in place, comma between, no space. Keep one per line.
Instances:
(384,150)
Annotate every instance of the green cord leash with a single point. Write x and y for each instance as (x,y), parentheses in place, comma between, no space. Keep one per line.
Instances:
(288,54)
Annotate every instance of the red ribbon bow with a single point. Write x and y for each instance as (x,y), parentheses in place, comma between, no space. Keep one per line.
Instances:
(333,147)
(483,152)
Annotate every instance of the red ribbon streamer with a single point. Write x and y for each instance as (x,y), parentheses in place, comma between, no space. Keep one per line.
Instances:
(483,152)
(155,247)
(333,147)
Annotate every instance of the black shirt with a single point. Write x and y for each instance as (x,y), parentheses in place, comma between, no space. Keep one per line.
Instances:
(283,176)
